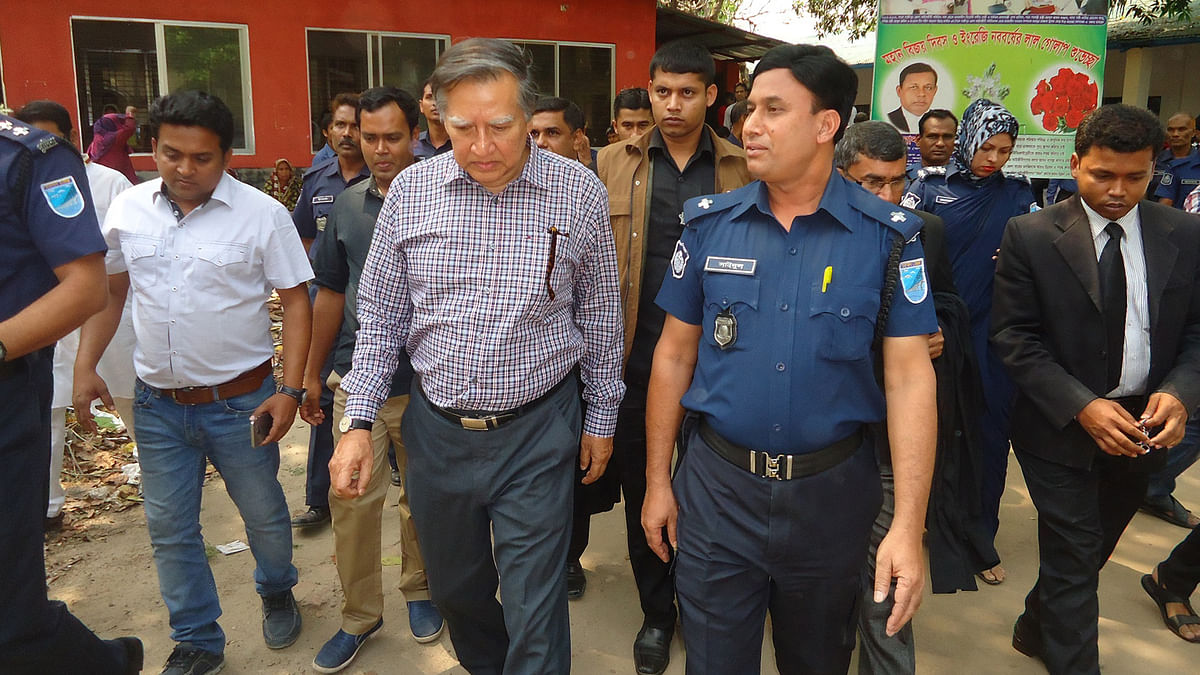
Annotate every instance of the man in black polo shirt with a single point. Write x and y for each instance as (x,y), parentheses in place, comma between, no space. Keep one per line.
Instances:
(387,117)
(649,177)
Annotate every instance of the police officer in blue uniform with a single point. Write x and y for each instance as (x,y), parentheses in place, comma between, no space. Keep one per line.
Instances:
(52,279)
(322,184)
(1178,180)
(773,300)
(1176,163)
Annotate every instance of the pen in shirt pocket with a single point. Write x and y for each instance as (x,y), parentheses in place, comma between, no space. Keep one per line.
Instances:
(825,281)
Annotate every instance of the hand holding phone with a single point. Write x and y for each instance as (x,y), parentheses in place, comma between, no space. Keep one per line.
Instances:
(260,428)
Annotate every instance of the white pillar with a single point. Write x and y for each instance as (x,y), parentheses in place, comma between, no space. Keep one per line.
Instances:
(1135,89)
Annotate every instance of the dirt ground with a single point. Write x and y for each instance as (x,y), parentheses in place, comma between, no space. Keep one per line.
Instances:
(102,567)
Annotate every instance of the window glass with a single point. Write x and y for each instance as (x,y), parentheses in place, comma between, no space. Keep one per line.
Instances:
(337,62)
(541,57)
(585,76)
(116,64)
(407,62)
(208,59)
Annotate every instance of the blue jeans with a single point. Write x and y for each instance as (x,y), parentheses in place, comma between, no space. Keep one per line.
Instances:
(173,442)
(1179,458)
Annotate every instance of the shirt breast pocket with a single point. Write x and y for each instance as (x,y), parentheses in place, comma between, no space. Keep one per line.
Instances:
(844,320)
(733,295)
(222,253)
(141,258)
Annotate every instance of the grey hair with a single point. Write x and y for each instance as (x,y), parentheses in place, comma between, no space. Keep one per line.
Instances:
(872,139)
(483,59)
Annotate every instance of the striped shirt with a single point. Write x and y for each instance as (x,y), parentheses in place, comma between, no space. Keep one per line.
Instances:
(457,275)
(1135,356)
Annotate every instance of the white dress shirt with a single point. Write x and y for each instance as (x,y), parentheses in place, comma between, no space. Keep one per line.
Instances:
(200,283)
(1135,355)
(116,364)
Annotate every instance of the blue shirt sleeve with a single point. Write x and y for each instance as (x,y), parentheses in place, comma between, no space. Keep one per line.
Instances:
(912,311)
(1168,186)
(302,216)
(61,216)
(681,294)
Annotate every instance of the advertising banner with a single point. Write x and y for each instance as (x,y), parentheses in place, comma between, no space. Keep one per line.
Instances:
(1044,62)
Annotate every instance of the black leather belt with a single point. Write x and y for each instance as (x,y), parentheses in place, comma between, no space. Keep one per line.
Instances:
(781,467)
(481,420)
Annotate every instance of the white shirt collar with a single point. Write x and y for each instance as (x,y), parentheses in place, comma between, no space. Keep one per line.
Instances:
(1098,222)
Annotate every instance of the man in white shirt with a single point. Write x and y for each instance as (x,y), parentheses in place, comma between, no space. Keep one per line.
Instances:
(116,366)
(202,253)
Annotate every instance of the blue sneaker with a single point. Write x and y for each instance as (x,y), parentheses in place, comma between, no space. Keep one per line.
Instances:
(425,621)
(341,649)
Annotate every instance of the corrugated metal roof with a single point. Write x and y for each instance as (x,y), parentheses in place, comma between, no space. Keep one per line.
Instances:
(724,42)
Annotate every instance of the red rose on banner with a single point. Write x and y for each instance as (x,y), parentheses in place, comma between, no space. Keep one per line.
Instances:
(1065,100)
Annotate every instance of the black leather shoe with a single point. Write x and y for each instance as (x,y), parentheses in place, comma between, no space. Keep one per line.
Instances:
(652,649)
(281,620)
(576,581)
(314,516)
(1026,640)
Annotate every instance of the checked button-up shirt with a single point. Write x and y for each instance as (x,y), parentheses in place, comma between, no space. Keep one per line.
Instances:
(460,277)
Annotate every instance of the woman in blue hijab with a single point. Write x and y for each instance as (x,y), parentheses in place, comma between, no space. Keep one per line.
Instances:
(976,199)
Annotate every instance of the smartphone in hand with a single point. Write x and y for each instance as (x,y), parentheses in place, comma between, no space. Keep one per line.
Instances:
(260,428)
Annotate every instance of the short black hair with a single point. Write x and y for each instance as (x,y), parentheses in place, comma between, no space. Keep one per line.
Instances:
(831,81)
(344,98)
(737,111)
(46,111)
(377,97)
(326,120)
(873,139)
(1121,128)
(742,85)
(633,98)
(936,114)
(684,56)
(193,108)
(572,114)
(915,68)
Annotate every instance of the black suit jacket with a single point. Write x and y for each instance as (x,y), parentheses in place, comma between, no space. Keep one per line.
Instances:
(1048,329)
(896,117)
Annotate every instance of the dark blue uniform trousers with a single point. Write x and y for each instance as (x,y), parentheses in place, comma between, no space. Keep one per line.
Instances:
(748,545)
(514,484)
(36,635)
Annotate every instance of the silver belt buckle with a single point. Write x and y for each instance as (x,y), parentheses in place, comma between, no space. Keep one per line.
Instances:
(774,464)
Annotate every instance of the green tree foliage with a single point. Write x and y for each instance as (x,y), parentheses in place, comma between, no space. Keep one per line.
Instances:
(713,10)
(856,18)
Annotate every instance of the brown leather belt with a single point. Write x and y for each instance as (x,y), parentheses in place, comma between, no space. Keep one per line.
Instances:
(245,383)
(781,467)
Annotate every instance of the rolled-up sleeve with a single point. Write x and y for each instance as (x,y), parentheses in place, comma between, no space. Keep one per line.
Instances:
(384,315)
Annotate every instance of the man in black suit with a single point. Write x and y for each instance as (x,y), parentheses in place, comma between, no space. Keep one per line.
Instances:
(918,85)
(1097,318)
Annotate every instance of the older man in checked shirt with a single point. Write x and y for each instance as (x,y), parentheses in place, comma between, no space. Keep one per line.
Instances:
(495,268)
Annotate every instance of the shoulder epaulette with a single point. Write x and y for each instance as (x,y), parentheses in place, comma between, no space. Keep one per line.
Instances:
(1020,177)
(32,138)
(699,207)
(931,171)
(889,215)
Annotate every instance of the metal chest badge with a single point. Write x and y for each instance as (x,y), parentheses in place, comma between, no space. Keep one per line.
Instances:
(725,329)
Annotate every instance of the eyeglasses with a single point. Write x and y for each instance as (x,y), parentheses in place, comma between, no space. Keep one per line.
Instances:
(554,233)
(876,185)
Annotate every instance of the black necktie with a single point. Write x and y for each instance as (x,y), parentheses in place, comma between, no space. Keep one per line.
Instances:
(1112,293)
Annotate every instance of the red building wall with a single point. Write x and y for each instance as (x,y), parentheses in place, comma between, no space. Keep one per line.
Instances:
(35,42)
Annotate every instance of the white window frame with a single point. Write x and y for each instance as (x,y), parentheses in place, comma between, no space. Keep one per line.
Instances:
(374,72)
(161,54)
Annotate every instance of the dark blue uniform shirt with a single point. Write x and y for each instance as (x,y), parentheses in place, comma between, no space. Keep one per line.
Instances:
(1162,162)
(322,184)
(49,222)
(1179,179)
(800,374)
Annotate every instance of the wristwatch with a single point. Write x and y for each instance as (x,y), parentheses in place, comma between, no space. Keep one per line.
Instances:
(350,424)
(295,393)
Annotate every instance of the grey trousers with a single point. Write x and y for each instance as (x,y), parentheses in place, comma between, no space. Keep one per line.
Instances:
(513,485)
(879,654)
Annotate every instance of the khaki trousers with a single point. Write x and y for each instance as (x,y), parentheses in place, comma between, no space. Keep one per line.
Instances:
(358,522)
